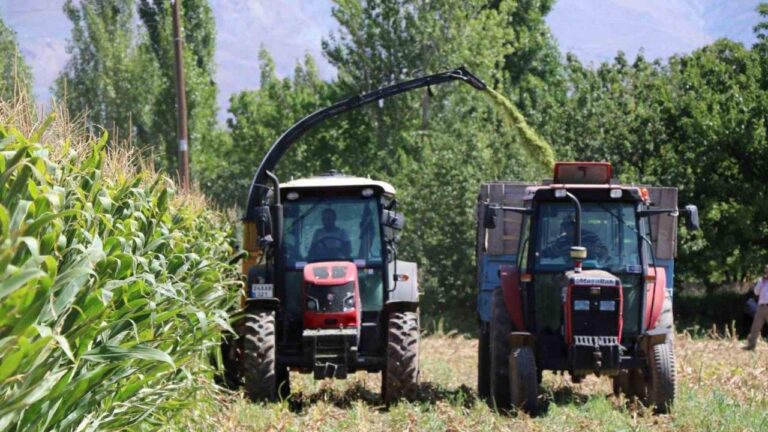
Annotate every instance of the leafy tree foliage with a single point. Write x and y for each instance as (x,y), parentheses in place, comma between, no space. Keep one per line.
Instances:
(15,75)
(110,76)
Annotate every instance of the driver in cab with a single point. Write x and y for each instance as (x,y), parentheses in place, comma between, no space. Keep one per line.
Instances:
(561,246)
(330,241)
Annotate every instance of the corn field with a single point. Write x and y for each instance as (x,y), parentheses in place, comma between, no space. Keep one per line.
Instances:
(113,289)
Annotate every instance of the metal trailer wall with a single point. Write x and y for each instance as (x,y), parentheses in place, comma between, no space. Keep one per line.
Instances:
(498,246)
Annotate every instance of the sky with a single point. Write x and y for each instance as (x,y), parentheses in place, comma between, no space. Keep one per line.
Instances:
(595,30)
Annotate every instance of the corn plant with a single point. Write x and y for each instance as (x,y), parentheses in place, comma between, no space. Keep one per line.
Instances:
(112,291)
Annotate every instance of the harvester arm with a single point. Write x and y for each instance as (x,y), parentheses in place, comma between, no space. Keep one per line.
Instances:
(259,188)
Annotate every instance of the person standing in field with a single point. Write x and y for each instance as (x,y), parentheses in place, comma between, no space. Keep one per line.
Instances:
(761,315)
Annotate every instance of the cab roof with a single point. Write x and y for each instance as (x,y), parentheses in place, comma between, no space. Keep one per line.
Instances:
(334,179)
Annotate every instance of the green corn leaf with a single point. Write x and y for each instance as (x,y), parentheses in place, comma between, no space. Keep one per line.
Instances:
(18,215)
(117,353)
(5,222)
(18,279)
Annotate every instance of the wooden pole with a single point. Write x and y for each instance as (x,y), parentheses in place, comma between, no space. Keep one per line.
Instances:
(181,99)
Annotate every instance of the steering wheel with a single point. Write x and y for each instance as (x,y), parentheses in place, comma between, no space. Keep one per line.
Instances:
(555,249)
(328,245)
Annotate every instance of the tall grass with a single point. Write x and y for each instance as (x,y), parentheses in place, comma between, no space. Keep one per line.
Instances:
(113,288)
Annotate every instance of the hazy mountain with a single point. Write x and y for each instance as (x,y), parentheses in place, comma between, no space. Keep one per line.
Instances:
(597,29)
(593,29)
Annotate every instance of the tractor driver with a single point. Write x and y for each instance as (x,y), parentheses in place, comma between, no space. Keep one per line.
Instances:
(561,246)
(330,241)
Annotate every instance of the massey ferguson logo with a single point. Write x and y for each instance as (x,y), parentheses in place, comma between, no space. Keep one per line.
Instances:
(581,280)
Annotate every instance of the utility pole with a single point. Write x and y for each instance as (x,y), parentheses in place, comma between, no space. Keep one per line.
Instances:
(181,99)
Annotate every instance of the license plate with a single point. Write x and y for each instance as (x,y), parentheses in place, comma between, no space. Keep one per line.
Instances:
(262,290)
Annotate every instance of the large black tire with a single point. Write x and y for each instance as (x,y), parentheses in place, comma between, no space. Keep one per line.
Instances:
(400,379)
(501,326)
(484,362)
(262,378)
(662,382)
(523,382)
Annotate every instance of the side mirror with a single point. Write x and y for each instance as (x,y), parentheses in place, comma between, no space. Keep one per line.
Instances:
(264,221)
(692,222)
(489,216)
(392,219)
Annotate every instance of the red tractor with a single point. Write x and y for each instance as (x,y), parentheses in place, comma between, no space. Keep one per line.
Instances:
(578,279)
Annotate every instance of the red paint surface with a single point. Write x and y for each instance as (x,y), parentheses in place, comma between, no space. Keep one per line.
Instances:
(510,286)
(657,289)
(325,320)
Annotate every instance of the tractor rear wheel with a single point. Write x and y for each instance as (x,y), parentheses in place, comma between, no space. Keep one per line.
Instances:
(662,385)
(501,326)
(523,383)
(400,379)
(261,375)
(483,362)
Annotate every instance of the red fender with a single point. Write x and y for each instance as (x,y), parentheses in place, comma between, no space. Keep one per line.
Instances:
(510,286)
(657,289)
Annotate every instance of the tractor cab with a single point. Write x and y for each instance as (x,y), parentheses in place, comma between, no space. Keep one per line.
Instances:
(584,287)
(338,249)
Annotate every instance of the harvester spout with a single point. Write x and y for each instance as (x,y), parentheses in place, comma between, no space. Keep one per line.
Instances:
(259,189)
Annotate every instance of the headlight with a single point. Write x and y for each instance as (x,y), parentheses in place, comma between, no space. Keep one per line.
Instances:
(311,305)
(581,305)
(349,303)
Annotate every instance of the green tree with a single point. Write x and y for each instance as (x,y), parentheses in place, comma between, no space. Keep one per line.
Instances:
(258,118)
(15,75)
(717,154)
(109,77)
(199,34)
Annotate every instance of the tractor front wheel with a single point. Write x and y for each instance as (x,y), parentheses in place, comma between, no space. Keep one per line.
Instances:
(400,379)
(662,385)
(262,378)
(523,382)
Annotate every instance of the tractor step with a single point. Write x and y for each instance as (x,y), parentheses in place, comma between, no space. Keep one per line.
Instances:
(330,370)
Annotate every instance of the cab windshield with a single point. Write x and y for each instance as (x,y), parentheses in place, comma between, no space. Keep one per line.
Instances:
(332,228)
(608,230)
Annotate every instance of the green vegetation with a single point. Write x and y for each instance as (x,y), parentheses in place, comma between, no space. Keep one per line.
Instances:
(113,290)
(538,150)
